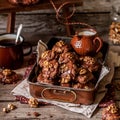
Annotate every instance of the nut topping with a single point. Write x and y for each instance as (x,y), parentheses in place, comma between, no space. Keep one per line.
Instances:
(82,71)
(33,102)
(60,43)
(11,106)
(7,72)
(114,33)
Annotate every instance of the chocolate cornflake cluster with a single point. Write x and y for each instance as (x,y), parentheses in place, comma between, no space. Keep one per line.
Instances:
(114,33)
(111,112)
(8,76)
(63,66)
(110,108)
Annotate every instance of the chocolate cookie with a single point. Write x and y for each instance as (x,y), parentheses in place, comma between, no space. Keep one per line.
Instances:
(84,76)
(8,76)
(90,63)
(67,56)
(111,112)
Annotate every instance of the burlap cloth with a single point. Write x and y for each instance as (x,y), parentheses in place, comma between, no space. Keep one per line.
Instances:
(105,78)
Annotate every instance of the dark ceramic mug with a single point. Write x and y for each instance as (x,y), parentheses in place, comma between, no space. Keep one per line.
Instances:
(11,53)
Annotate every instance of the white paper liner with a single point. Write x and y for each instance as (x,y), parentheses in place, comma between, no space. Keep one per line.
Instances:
(41,47)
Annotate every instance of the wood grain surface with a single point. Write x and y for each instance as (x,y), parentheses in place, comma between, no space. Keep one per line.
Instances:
(46,112)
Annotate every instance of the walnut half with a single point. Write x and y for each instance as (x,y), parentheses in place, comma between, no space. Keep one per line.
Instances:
(33,102)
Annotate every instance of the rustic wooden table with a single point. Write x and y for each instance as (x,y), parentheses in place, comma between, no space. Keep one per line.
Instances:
(46,112)
(6,7)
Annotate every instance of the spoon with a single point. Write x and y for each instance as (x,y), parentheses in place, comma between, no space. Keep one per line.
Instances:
(18,33)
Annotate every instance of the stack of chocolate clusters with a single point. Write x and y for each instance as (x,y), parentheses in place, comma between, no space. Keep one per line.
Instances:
(114,33)
(63,66)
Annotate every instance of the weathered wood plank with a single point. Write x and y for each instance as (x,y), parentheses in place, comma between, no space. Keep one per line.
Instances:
(44,21)
(37,25)
(47,23)
(46,112)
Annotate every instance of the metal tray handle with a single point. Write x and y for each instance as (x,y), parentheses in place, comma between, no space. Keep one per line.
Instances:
(58,94)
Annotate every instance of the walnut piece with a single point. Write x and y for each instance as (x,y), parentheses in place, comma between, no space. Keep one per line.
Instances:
(11,106)
(5,110)
(7,72)
(33,102)
(112,108)
(82,71)
(60,43)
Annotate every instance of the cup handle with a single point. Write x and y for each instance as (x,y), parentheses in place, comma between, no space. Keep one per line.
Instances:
(100,43)
(27,45)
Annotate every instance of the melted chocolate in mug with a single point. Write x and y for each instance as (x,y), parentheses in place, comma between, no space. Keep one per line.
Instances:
(7,42)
